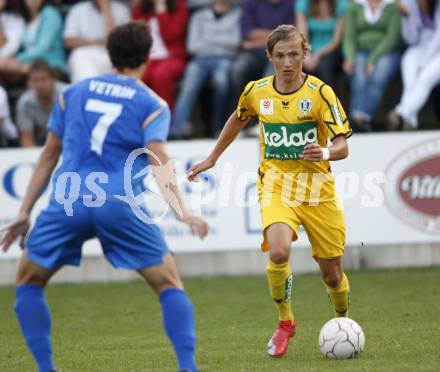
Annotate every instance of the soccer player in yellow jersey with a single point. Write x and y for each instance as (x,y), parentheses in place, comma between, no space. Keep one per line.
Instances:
(298,114)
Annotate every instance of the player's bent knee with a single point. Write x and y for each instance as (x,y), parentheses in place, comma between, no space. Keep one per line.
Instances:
(279,255)
(29,277)
(162,276)
(162,280)
(31,273)
(159,287)
(333,280)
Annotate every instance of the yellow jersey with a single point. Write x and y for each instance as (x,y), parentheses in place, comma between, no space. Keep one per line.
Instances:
(288,122)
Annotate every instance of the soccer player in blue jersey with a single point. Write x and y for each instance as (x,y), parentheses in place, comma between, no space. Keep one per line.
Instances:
(95,126)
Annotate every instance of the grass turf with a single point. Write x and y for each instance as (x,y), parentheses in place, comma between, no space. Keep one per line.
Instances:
(117,326)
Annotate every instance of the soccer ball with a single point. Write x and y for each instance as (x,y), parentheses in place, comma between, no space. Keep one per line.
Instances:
(341,338)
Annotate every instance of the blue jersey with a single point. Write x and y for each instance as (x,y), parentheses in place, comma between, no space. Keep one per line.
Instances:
(100,121)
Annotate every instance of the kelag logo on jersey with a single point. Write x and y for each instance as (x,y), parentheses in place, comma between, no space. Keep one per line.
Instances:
(287,141)
(413,187)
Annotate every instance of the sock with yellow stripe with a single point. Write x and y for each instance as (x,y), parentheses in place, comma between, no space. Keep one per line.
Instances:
(280,286)
(340,297)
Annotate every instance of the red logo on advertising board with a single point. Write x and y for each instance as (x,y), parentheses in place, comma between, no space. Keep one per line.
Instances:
(413,187)
(419,186)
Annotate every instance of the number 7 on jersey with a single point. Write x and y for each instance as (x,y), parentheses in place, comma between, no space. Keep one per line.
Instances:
(110,113)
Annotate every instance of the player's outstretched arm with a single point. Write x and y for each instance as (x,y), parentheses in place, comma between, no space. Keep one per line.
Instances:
(163,171)
(229,133)
(39,180)
(337,151)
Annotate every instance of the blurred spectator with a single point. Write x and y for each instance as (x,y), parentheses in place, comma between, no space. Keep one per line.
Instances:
(41,39)
(258,19)
(85,34)
(13,16)
(168,21)
(8,131)
(34,105)
(420,62)
(213,40)
(322,22)
(370,46)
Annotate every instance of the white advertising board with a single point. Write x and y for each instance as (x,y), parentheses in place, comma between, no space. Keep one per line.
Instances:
(389,186)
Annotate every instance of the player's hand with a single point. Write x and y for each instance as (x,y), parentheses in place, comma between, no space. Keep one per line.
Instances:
(313,152)
(199,168)
(197,225)
(18,227)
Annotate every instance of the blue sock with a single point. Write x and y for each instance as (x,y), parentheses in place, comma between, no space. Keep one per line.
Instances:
(35,322)
(178,321)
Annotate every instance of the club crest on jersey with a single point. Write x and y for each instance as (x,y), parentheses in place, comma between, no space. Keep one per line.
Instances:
(266,107)
(305,106)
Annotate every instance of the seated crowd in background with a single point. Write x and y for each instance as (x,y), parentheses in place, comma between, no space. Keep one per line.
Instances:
(322,22)
(420,62)
(213,40)
(85,33)
(35,104)
(205,51)
(41,39)
(168,22)
(371,56)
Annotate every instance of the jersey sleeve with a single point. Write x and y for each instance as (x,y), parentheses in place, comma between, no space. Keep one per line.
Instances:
(332,114)
(245,109)
(56,120)
(157,124)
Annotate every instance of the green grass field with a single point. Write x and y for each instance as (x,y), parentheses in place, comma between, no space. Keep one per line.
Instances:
(117,326)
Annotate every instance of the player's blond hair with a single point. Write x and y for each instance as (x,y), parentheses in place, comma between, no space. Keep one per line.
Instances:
(285,33)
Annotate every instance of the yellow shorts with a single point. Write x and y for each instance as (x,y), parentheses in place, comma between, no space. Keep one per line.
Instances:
(323,223)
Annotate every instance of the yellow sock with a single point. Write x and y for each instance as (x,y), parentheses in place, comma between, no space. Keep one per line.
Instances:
(280,286)
(340,297)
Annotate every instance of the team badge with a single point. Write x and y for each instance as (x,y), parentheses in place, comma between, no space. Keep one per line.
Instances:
(266,106)
(305,106)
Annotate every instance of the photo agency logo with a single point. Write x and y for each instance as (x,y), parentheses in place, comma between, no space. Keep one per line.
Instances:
(413,187)
(225,187)
(164,175)
(67,189)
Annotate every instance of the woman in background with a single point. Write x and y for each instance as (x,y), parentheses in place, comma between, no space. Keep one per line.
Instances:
(168,22)
(42,39)
(322,22)
(371,56)
(420,62)
(13,17)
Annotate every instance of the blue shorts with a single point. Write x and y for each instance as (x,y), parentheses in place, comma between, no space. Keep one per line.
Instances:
(127,242)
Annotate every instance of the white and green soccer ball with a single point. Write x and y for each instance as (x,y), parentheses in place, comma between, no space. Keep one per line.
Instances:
(341,338)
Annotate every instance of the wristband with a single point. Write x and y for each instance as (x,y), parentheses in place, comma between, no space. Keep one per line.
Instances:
(325,153)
